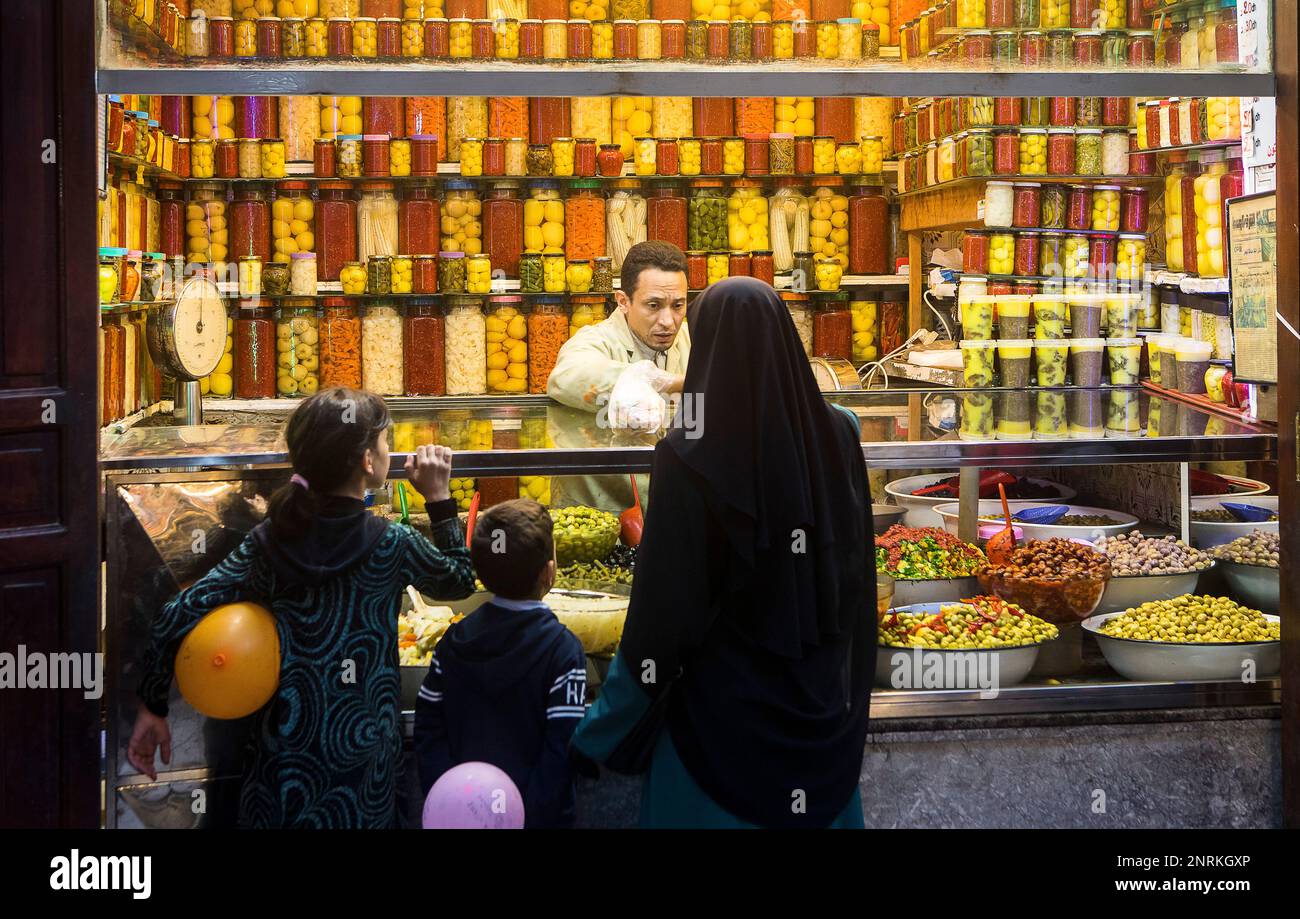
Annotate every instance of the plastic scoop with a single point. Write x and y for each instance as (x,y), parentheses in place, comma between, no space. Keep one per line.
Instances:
(1247,513)
(631,522)
(1042,515)
(401,502)
(473,516)
(1003,543)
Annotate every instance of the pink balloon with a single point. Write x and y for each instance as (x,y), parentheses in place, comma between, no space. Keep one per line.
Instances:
(474,796)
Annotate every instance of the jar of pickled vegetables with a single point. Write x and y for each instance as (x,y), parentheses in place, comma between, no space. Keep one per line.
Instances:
(348,157)
(832,325)
(1001,259)
(554,280)
(1060,150)
(1007,151)
(707,216)
(1131,256)
(466,346)
(975,252)
(424,336)
(478,274)
(548,330)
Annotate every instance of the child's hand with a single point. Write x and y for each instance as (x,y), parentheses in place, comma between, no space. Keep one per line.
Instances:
(150,733)
(429,470)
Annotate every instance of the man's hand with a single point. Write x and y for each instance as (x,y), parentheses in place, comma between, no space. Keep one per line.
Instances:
(634,402)
(429,470)
(150,733)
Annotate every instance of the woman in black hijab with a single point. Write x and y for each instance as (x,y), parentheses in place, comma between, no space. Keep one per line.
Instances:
(744,674)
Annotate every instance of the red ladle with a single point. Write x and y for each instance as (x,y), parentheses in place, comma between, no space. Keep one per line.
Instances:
(631,522)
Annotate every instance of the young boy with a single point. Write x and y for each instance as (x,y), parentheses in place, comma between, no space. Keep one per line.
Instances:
(507,683)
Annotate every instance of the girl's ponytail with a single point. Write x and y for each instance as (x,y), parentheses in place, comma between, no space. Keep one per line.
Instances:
(327,435)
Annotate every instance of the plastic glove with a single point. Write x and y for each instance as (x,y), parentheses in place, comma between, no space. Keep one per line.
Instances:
(635,403)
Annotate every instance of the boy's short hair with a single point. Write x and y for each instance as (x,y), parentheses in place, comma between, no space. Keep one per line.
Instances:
(512,543)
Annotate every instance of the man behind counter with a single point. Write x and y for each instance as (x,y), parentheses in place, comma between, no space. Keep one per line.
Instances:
(646,327)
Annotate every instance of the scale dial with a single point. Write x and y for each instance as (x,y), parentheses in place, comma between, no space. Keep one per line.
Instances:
(188,337)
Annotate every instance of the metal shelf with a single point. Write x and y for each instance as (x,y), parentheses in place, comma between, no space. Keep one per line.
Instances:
(665,78)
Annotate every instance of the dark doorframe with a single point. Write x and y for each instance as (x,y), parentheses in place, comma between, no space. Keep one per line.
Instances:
(49,527)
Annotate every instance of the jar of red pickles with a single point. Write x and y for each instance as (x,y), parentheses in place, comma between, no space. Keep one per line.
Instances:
(975,252)
(254,352)
(1060,111)
(697,269)
(418,222)
(375,155)
(609,161)
(1033,48)
(719,39)
(1006,111)
(424,274)
(437,39)
(1101,255)
(672,39)
(762,266)
(1142,49)
(227,159)
(666,158)
(1078,209)
(336,228)
(1025,202)
(388,39)
(1133,209)
(756,154)
(584,157)
(1089,48)
(424,339)
(1006,152)
(625,40)
(738,265)
(250,223)
(803,155)
(1060,151)
(503,226)
(1115,111)
(976,46)
(1026,253)
(832,325)
(666,214)
(868,230)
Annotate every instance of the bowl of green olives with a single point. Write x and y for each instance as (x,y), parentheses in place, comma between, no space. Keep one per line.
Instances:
(982,644)
(1189,638)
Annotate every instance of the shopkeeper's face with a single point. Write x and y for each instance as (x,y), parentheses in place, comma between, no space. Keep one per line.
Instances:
(657,307)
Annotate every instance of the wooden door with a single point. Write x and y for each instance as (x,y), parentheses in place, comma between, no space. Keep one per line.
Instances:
(49,545)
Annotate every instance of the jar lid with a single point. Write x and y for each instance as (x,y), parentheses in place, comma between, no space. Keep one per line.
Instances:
(542,183)
(707,183)
(696,253)
(425,138)
(585,183)
(780,136)
(831,296)
(290,185)
(1025,184)
(558,140)
(349,137)
(334,186)
(334,302)
(763,252)
(376,185)
(375,138)
(505,298)
(611,146)
(294,255)
(548,299)
(849,21)
(459,185)
(451,255)
(111,252)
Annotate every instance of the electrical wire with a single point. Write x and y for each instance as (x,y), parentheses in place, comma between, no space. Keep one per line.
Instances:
(867,373)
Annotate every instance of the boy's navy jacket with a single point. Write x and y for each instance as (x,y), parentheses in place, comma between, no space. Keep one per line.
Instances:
(506,687)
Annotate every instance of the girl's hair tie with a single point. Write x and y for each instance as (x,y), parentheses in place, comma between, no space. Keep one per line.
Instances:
(296,479)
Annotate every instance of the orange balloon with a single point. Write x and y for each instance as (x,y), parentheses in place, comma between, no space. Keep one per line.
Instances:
(228,666)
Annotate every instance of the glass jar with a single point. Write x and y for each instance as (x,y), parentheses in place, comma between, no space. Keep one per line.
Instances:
(999,204)
(297,333)
(868,230)
(586,309)
(293,220)
(1026,203)
(348,158)
(975,252)
(478,274)
(578,274)
(461,222)
(547,331)
(1026,254)
(1060,151)
(503,222)
(666,214)
(707,217)
(340,344)
(382,369)
(541,162)
(718,264)
(1001,253)
(250,222)
(1053,207)
(376,220)
(335,228)
(832,326)
(424,336)
(1032,159)
(1074,256)
(697,269)
(256,349)
(1078,215)
(1006,152)
(250,158)
(418,220)
(1105,208)
(747,217)
(465,339)
(1049,253)
(452,270)
(379,275)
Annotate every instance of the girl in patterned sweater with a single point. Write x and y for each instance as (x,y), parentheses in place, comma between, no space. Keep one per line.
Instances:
(325,750)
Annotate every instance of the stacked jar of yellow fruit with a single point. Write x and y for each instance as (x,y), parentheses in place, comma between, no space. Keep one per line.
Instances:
(544,218)
(293,220)
(532,436)
(747,218)
(633,117)
(828,228)
(876,11)
(507,346)
(339,115)
(221,382)
(865,332)
(794,115)
(212,118)
(594,11)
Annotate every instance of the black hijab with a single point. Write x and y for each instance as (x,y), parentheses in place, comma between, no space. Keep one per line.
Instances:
(772,454)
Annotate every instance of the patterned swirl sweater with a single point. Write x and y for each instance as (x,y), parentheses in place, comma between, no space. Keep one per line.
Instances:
(325,750)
